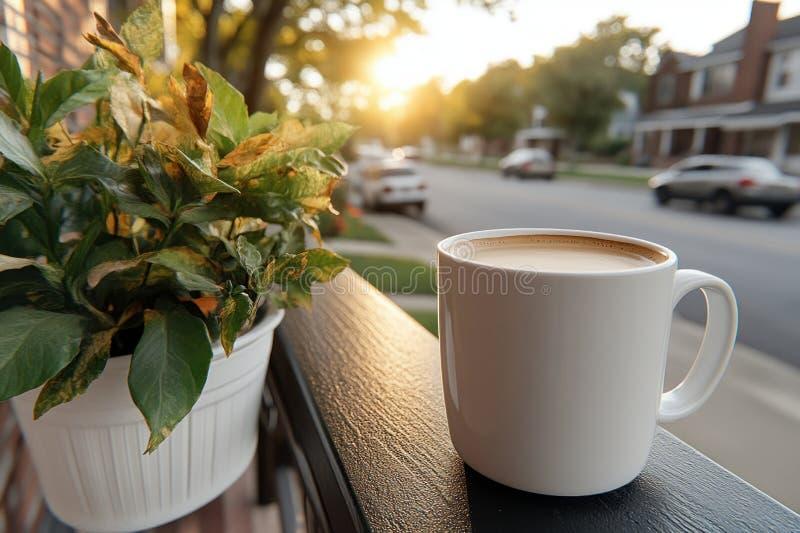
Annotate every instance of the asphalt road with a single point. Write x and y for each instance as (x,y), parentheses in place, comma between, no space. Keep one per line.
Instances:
(759,257)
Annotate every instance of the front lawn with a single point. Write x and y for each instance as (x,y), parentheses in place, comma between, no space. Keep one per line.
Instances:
(429,319)
(395,275)
(355,228)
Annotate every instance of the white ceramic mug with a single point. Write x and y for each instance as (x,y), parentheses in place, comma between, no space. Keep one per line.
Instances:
(554,385)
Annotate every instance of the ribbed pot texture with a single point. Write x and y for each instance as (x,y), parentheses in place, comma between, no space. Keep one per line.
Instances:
(88,452)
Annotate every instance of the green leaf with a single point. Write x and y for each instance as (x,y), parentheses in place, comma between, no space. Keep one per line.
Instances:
(307,185)
(52,274)
(143,31)
(156,180)
(88,164)
(199,214)
(327,136)
(182,259)
(237,309)
(27,286)
(12,203)
(65,92)
(200,175)
(317,264)
(15,147)
(34,346)
(13,83)
(75,268)
(229,123)
(260,122)
(249,256)
(84,164)
(196,282)
(177,259)
(168,369)
(74,379)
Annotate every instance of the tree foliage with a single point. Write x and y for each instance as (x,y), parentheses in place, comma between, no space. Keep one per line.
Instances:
(313,41)
(580,84)
(164,225)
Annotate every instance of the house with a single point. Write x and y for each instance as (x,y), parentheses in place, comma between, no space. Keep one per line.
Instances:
(46,34)
(741,98)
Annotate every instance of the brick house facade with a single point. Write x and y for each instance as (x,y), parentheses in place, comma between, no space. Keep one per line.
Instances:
(742,98)
(46,34)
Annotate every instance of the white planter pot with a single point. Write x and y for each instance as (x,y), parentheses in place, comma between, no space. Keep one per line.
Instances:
(88,452)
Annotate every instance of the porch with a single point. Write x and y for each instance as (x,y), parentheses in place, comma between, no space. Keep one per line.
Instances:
(768,130)
(354,438)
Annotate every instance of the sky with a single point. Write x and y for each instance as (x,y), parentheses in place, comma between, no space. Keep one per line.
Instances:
(461,41)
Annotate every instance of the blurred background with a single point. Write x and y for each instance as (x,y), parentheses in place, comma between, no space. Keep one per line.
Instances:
(677,122)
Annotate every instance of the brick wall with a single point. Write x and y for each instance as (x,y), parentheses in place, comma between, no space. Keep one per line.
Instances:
(753,65)
(46,34)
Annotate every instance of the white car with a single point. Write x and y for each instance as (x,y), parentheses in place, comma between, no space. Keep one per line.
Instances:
(727,182)
(392,183)
(528,162)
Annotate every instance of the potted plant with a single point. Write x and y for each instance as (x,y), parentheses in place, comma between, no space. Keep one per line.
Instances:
(144,263)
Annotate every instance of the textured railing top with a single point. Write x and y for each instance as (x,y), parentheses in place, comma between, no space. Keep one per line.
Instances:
(370,379)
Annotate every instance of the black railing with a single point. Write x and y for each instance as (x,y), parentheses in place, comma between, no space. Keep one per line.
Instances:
(356,386)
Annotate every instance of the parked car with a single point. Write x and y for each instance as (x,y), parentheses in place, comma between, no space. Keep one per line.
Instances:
(407,152)
(727,182)
(392,183)
(528,162)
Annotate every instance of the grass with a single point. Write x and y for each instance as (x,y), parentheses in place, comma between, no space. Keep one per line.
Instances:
(485,162)
(635,181)
(395,275)
(429,319)
(570,173)
(355,228)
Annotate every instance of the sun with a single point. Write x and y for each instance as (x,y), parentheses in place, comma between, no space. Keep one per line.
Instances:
(396,74)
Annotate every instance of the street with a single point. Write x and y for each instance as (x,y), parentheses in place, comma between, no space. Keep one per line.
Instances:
(759,257)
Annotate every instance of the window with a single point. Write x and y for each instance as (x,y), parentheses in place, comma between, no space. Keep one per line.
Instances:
(665,89)
(785,77)
(398,171)
(698,168)
(718,80)
(793,145)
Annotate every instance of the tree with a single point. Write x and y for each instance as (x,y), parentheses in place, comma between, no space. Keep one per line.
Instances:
(501,97)
(580,84)
(422,115)
(309,42)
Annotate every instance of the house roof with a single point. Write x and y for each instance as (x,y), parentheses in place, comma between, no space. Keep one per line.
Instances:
(734,42)
(770,108)
(788,28)
(731,43)
(739,116)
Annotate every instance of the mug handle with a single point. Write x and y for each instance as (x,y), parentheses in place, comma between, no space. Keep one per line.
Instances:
(715,349)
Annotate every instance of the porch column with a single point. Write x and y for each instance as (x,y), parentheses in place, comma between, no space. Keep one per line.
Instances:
(638,143)
(665,143)
(698,140)
(779,143)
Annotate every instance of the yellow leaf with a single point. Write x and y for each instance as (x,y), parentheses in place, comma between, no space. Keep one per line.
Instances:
(126,59)
(178,108)
(128,106)
(251,149)
(97,135)
(106,30)
(199,99)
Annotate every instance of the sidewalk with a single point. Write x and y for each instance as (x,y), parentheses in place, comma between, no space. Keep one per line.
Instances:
(751,424)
